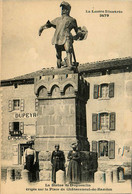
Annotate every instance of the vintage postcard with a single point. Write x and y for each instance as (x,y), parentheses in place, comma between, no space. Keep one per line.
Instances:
(66,96)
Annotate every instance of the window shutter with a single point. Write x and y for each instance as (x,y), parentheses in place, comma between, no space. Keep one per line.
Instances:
(94,146)
(112,118)
(96,91)
(10,105)
(22,105)
(21,127)
(111,90)
(98,149)
(111,149)
(94,122)
(36,104)
(98,121)
(10,126)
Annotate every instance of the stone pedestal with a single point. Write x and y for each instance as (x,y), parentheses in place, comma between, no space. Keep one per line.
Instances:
(60,177)
(99,177)
(62,111)
(25,175)
(115,176)
(61,116)
(109,176)
(10,174)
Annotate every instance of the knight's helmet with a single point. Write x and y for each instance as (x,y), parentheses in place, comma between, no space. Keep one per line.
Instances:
(66,5)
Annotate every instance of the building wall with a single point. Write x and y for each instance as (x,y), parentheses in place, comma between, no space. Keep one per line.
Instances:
(27,116)
(121,105)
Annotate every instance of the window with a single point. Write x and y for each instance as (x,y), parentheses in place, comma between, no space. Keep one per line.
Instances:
(104,91)
(104,148)
(16,104)
(16,128)
(103,121)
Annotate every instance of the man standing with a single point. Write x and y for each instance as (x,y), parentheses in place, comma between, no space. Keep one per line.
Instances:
(63,38)
(57,161)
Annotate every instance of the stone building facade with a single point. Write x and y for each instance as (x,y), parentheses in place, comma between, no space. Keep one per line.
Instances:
(108,113)
(19,113)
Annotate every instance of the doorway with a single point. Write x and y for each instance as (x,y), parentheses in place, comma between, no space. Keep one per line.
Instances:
(22,148)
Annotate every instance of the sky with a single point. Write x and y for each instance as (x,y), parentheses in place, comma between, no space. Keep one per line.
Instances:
(23,51)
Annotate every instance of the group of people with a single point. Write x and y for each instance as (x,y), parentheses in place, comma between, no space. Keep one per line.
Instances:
(58,162)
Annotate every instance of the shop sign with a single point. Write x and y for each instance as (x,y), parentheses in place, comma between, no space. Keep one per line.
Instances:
(25,115)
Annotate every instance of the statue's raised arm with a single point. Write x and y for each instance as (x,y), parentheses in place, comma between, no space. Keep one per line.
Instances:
(63,39)
(47,25)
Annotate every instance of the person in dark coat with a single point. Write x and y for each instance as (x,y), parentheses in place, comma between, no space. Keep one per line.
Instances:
(73,173)
(57,161)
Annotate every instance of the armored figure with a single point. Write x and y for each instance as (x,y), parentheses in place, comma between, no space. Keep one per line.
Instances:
(63,39)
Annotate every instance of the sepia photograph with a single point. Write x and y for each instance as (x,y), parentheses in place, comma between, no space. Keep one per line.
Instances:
(66,96)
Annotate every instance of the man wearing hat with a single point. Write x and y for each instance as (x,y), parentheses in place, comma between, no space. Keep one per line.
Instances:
(57,161)
(63,38)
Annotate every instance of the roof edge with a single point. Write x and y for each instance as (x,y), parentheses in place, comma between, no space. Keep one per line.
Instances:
(85,67)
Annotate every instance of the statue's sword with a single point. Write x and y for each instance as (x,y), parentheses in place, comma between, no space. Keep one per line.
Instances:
(83,33)
(74,57)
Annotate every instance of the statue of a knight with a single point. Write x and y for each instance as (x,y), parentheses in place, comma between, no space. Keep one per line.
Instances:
(63,39)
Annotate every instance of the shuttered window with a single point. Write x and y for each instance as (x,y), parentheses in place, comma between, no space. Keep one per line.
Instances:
(16,104)
(104,121)
(104,90)
(104,148)
(16,128)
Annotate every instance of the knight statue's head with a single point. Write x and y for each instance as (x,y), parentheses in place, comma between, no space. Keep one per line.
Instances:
(65,8)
